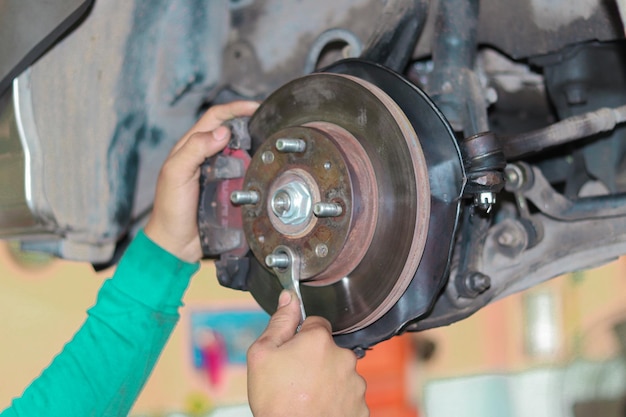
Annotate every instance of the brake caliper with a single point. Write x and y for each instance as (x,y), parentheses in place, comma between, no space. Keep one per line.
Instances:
(219,222)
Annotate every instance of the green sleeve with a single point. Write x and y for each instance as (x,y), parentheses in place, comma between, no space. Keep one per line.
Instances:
(101,371)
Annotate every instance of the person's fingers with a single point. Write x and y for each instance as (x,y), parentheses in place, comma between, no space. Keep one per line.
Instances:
(200,146)
(218,114)
(283,324)
(213,118)
(220,134)
(314,322)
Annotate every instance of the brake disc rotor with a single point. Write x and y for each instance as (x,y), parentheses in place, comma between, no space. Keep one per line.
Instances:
(358,174)
(362,156)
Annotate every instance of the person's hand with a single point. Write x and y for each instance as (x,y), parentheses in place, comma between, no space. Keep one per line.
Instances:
(173,224)
(304,374)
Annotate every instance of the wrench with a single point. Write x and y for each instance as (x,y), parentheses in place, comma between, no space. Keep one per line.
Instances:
(286,265)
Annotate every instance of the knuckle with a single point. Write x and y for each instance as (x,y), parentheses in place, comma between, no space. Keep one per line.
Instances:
(320,335)
(361,385)
(317,324)
(210,113)
(166,169)
(196,139)
(278,321)
(256,353)
(349,358)
(319,321)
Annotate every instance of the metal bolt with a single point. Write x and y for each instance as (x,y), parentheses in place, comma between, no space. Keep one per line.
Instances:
(321,250)
(478,283)
(277,260)
(327,166)
(506,238)
(359,352)
(267,157)
(292,203)
(513,236)
(511,175)
(514,176)
(239,198)
(327,209)
(290,145)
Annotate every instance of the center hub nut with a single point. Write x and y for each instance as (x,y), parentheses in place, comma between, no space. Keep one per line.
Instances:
(289,206)
(292,203)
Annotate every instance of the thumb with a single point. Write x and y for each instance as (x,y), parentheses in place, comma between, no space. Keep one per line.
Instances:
(283,324)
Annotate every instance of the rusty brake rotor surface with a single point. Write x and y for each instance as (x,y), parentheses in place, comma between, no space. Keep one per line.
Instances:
(340,176)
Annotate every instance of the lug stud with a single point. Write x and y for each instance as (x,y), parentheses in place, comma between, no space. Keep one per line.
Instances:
(327,210)
(239,198)
(277,260)
(290,145)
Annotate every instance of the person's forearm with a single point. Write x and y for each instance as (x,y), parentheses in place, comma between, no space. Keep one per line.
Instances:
(103,369)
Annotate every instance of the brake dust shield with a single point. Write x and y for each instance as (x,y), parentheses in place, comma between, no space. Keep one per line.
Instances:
(359,156)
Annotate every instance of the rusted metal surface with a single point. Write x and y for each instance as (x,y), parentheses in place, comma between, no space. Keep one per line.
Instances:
(484,163)
(326,173)
(364,208)
(563,132)
(361,296)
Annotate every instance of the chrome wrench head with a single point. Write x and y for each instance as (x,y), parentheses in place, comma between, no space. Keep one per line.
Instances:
(285,263)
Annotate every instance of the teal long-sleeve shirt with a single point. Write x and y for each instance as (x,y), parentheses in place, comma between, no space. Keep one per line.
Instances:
(102,370)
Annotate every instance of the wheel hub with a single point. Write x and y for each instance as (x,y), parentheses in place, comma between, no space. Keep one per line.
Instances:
(307,200)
